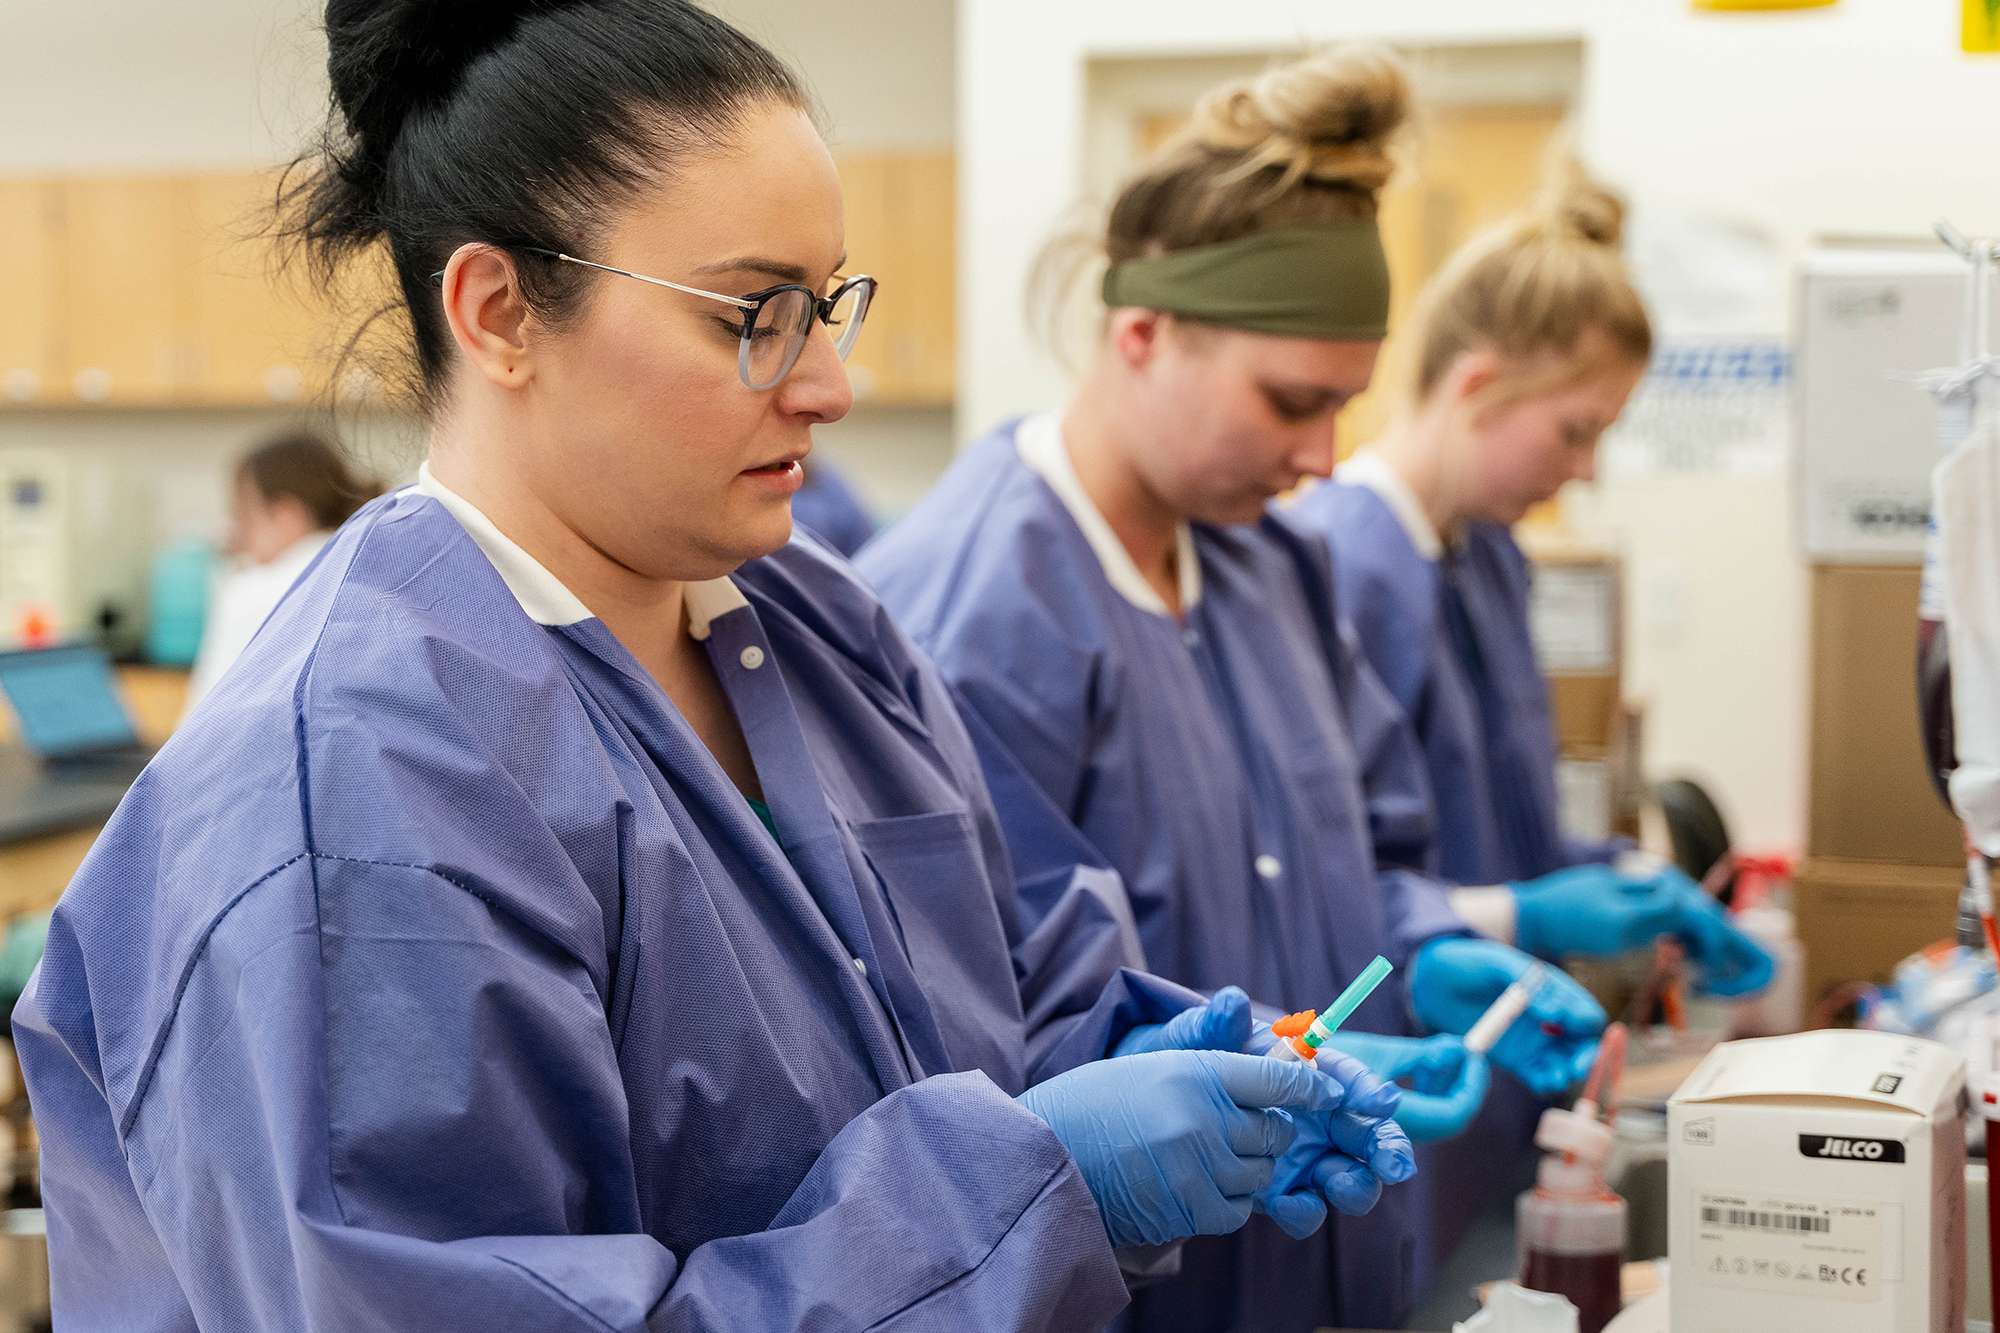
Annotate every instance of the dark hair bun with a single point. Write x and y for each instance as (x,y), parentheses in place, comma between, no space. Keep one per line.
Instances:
(509,123)
(385,58)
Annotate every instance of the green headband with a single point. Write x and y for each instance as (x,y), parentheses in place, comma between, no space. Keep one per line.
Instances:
(1329,281)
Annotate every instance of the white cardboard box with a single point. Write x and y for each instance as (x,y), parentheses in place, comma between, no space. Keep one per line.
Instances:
(1574,609)
(1585,798)
(1817,1183)
(1867,435)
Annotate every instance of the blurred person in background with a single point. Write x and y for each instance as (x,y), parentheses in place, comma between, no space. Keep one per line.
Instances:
(288,496)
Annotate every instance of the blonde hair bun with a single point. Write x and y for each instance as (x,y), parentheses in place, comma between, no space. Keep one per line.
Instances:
(1536,288)
(1575,205)
(1304,144)
(1328,117)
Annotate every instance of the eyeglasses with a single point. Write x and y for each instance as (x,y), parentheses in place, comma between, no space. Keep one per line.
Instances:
(776,320)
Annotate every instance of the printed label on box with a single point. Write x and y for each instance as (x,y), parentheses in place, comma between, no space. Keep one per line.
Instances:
(1575,617)
(1584,798)
(1829,1251)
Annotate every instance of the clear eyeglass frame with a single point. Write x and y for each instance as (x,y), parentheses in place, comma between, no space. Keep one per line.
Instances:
(776,320)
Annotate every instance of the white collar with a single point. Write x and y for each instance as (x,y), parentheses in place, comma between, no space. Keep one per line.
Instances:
(1038,440)
(301,552)
(541,594)
(1369,470)
(709,601)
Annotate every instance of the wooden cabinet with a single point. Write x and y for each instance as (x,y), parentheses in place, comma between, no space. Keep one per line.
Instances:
(27,278)
(902,228)
(253,334)
(122,290)
(1476,164)
(167,290)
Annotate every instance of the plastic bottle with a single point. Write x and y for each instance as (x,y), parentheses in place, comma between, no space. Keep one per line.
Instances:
(1571,1227)
(178,606)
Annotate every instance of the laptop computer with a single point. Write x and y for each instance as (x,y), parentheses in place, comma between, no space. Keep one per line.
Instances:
(66,702)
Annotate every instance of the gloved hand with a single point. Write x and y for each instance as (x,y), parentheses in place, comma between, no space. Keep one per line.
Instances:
(1180,1143)
(1447,1083)
(1732,963)
(1602,909)
(1592,910)
(1342,1158)
(1223,1024)
(1550,1048)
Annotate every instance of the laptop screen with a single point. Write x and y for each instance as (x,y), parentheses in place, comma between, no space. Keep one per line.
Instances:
(65,701)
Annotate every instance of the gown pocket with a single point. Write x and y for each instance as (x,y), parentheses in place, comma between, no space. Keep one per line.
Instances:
(934,877)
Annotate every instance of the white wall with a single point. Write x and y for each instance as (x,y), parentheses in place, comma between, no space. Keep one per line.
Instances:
(142,85)
(882,69)
(166,84)
(1860,119)
(131,482)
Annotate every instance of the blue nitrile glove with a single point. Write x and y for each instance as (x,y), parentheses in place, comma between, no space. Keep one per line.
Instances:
(1453,980)
(1341,1157)
(1178,1143)
(1732,963)
(1446,1083)
(1592,910)
(1318,1170)
(1223,1024)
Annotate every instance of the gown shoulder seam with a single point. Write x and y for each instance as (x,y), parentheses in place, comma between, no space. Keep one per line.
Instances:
(195,957)
(200,950)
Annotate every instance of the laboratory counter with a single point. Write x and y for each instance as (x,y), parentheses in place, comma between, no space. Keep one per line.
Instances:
(49,818)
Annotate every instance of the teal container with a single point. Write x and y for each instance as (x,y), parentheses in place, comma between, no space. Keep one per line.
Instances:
(178,605)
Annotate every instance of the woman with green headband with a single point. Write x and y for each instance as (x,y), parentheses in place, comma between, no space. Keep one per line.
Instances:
(1141,645)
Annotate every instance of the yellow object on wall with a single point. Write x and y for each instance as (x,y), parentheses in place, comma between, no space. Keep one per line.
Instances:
(1763,4)
(1980,31)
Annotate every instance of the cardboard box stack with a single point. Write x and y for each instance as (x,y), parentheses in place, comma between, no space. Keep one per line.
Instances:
(1884,858)
(1577,612)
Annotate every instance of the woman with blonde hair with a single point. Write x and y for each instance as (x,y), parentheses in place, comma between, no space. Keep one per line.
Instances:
(1526,347)
(1141,645)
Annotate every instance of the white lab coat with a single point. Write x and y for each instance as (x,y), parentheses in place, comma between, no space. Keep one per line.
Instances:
(243,595)
(1966,502)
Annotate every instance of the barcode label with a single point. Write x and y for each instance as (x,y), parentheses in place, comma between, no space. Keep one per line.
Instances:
(1746,1219)
(1849,1251)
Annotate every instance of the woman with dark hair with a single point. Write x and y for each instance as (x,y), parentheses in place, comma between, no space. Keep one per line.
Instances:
(583,910)
(289,495)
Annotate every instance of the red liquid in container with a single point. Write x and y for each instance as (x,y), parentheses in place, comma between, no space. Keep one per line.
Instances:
(1590,1281)
(1570,1228)
(1990,1108)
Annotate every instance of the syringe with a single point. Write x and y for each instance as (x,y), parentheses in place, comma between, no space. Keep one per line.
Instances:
(1500,1015)
(1306,1045)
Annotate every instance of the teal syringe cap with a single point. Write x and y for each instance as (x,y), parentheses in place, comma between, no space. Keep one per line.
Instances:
(1358,991)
